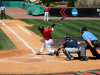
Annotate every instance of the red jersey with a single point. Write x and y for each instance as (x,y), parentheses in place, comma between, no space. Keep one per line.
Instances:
(46,34)
(47,9)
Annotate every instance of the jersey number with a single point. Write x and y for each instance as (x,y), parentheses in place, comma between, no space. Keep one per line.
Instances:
(45,36)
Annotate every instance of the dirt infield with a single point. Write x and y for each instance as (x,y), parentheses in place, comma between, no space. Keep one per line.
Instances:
(23,60)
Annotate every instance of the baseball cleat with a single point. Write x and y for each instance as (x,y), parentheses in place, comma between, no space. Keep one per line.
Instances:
(72,58)
(84,59)
(39,53)
(68,59)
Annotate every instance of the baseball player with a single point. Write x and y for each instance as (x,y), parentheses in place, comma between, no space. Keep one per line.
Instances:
(70,46)
(46,14)
(48,39)
(91,43)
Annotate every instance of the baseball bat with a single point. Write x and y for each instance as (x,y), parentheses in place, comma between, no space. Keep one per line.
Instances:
(58,21)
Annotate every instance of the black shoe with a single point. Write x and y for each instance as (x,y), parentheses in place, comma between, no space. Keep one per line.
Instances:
(77,57)
(84,58)
(39,53)
(97,57)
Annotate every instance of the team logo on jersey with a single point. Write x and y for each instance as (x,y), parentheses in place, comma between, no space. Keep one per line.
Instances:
(74,12)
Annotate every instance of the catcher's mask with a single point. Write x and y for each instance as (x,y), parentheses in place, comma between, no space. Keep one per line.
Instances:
(67,37)
(83,29)
(41,28)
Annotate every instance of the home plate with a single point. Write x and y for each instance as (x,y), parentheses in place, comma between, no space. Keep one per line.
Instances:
(36,57)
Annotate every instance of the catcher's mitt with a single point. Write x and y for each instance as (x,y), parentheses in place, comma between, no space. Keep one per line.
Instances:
(57,53)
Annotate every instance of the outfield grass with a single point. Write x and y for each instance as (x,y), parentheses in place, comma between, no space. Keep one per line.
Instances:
(5,42)
(70,27)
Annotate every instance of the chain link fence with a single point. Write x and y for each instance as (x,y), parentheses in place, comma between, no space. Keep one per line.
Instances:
(87,3)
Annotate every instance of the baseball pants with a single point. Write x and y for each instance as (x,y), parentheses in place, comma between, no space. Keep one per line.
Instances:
(67,51)
(87,46)
(46,15)
(47,44)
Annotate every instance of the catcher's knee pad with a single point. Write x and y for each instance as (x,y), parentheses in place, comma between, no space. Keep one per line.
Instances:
(64,50)
(67,53)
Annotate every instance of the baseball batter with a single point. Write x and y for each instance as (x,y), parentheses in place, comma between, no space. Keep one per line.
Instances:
(46,14)
(48,39)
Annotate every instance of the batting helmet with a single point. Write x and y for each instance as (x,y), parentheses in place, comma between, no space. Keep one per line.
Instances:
(41,28)
(67,37)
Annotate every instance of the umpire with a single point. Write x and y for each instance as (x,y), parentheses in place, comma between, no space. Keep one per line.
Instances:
(91,43)
(3,11)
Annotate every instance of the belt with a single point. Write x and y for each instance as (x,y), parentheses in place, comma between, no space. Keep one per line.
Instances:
(74,47)
(48,39)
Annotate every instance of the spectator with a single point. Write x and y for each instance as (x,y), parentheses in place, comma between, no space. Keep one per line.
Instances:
(42,4)
(63,2)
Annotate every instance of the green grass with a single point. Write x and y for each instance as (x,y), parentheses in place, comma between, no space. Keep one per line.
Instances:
(70,27)
(5,42)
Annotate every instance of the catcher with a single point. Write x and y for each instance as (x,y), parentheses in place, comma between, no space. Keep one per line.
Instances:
(70,46)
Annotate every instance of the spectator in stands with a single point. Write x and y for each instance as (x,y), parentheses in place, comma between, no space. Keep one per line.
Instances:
(42,4)
(3,11)
(63,2)
(66,2)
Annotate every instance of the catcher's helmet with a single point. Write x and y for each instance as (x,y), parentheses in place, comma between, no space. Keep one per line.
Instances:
(41,28)
(67,37)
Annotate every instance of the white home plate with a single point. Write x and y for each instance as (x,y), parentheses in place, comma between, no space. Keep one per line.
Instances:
(36,57)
